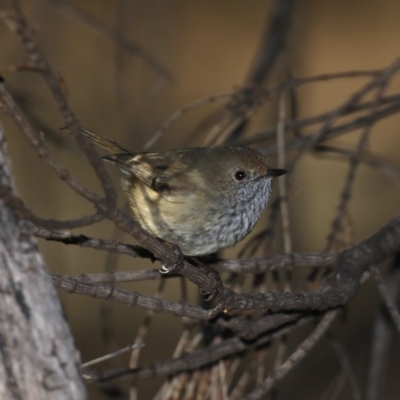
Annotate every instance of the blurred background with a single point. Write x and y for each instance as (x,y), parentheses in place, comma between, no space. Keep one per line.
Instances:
(128,65)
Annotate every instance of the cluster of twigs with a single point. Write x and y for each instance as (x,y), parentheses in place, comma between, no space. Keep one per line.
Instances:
(216,370)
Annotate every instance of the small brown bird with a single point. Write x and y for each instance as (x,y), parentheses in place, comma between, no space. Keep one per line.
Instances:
(203,199)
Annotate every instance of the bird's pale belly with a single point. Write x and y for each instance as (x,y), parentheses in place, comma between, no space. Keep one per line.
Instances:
(197,227)
(199,233)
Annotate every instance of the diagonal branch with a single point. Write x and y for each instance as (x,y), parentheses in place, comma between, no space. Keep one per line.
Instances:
(197,358)
(302,350)
(25,34)
(334,291)
(114,35)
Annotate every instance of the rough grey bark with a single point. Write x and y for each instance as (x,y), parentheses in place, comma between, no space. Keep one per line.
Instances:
(38,359)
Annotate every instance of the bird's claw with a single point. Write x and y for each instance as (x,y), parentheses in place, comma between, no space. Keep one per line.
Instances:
(179,261)
(164,269)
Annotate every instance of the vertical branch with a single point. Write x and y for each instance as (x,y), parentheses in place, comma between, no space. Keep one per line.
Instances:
(106,309)
(344,361)
(387,296)
(287,240)
(142,332)
(380,342)
(272,42)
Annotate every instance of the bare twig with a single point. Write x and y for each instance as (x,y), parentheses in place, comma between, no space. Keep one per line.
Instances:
(302,350)
(196,359)
(385,166)
(287,240)
(272,42)
(354,162)
(112,355)
(294,125)
(130,298)
(345,364)
(98,244)
(335,386)
(16,204)
(353,99)
(332,293)
(114,35)
(181,112)
(333,132)
(139,339)
(381,338)
(36,141)
(387,297)
(24,32)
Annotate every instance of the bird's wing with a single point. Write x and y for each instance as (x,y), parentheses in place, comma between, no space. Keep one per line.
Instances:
(159,171)
(107,145)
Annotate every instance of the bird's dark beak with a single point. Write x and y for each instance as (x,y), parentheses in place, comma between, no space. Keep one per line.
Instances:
(272,173)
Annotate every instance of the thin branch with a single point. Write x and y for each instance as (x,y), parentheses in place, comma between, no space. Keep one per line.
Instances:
(381,340)
(335,131)
(22,29)
(338,388)
(98,244)
(386,295)
(383,165)
(272,42)
(129,298)
(117,37)
(181,112)
(246,101)
(344,361)
(37,143)
(354,163)
(333,291)
(140,336)
(335,386)
(197,358)
(384,76)
(302,350)
(282,183)
(112,355)
(247,329)
(294,125)
(249,266)
(23,213)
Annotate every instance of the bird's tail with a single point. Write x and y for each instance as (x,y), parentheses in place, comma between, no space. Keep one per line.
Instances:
(108,145)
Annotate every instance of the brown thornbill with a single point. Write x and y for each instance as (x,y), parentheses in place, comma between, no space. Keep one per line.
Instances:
(203,199)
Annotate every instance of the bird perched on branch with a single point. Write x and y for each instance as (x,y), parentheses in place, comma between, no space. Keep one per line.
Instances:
(203,199)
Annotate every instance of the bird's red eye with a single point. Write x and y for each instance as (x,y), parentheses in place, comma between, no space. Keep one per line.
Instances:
(240,175)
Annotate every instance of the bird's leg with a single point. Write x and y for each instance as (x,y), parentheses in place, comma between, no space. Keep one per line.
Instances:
(169,268)
(218,286)
(165,269)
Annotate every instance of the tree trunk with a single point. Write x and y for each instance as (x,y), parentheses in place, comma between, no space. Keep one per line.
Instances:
(38,359)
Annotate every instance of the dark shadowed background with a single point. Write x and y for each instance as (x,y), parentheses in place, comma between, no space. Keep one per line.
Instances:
(203,48)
